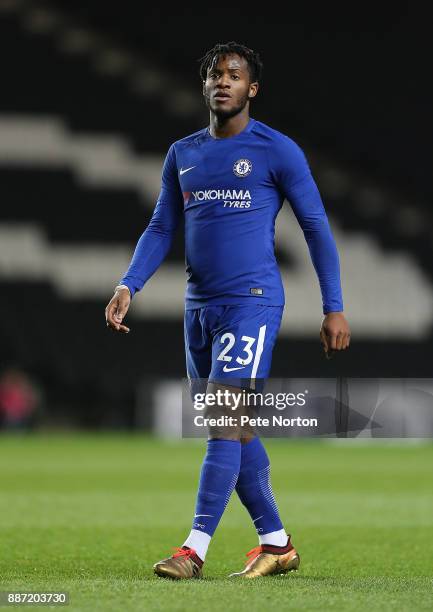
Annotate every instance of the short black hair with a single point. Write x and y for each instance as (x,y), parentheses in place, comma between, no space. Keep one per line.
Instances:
(255,65)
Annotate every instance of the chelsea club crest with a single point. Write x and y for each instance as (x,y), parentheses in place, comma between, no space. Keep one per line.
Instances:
(242,167)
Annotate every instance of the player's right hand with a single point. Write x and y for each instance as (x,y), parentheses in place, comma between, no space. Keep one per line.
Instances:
(117,308)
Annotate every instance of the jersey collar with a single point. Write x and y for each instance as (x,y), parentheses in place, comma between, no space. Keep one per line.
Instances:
(246,130)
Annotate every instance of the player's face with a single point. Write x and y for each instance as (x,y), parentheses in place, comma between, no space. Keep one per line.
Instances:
(227,88)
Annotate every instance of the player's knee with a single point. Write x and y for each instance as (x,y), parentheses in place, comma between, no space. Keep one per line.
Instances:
(216,433)
(246,435)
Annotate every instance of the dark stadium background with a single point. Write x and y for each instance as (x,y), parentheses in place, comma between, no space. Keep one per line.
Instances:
(352,90)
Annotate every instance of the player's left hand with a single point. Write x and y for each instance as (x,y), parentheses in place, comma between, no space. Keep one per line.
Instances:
(334,333)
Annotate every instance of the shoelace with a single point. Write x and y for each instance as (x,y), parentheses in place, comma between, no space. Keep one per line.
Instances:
(182,552)
(253,553)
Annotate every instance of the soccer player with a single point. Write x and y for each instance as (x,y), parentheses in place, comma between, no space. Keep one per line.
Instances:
(229,180)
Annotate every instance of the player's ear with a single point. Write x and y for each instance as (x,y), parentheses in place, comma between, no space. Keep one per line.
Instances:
(204,90)
(254,88)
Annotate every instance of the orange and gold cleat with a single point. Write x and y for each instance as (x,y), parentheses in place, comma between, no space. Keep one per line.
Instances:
(267,560)
(185,563)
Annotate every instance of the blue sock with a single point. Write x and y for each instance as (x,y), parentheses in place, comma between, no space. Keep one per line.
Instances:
(254,488)
(219,474)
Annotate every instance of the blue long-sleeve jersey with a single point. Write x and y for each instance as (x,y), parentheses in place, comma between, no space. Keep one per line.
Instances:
(230,191)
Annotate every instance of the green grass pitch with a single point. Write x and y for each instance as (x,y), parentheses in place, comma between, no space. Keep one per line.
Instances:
(90,514)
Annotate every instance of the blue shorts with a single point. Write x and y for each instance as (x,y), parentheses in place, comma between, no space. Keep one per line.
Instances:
(231,344)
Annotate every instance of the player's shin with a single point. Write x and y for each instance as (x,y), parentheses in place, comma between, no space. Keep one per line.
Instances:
(255,492)
(218,478)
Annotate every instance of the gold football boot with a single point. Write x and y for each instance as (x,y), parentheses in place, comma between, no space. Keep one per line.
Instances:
(267,560)
(185,563)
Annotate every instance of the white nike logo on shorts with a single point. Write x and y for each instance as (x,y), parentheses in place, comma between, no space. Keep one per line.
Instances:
(226,369)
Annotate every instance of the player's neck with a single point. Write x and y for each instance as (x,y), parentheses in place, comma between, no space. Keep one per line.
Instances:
(221,127)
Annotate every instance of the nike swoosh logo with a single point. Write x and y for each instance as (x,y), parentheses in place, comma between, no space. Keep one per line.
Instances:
(226,369)
(182,171)
(197,515)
